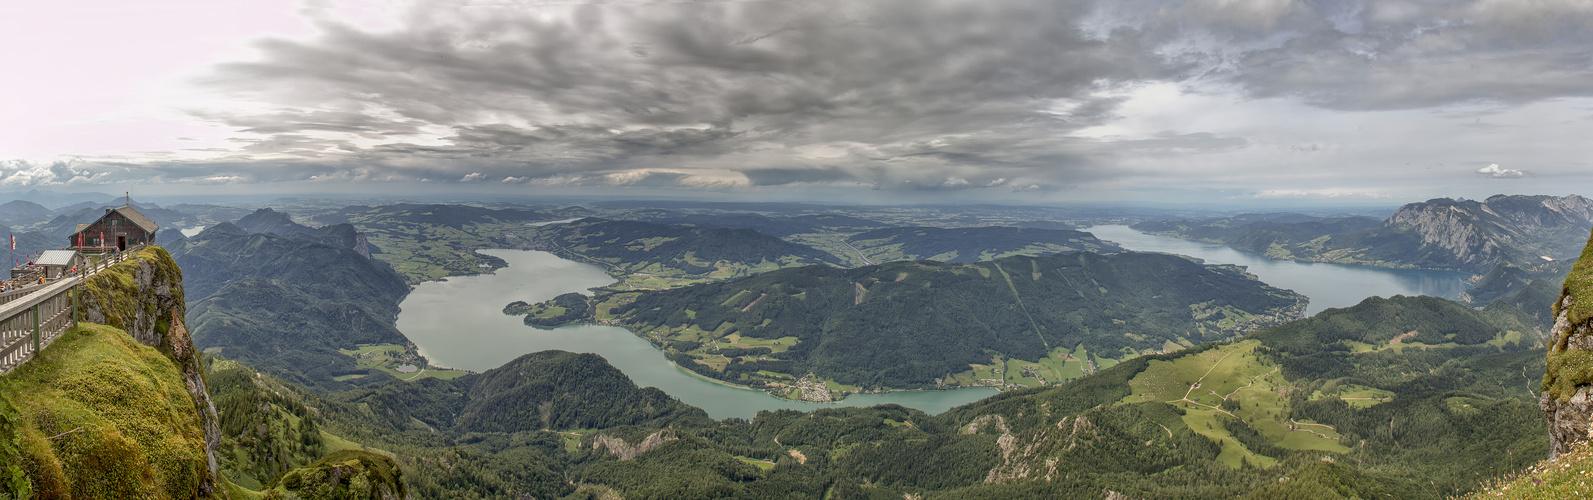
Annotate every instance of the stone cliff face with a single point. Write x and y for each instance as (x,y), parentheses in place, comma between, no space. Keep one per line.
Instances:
(1482,234)
(1448,226)
(1567,392)
(362,245)
(144,297)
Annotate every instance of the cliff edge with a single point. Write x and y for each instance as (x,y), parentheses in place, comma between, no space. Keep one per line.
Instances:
(1566,395)
(117,407)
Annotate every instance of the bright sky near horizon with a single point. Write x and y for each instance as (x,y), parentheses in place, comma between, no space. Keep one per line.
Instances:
(1224,101)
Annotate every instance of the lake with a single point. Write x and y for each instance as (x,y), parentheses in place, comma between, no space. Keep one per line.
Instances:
(459,323)
(1328,285)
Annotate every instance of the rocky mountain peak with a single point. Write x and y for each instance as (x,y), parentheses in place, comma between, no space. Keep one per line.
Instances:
(1482,234)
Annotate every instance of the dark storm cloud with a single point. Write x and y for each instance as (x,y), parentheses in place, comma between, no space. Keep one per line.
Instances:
(730,87)
(890,94)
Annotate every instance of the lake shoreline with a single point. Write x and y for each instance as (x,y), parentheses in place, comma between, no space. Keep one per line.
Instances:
(1401,267)
(727,383)
(1328,285)
(459,323)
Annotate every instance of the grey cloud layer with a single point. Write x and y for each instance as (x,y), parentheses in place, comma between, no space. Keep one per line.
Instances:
(888,94)
(899,92)
(1386,54)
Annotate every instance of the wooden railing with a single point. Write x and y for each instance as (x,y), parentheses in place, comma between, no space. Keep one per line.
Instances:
(10,295)
(34,315)
(31,323)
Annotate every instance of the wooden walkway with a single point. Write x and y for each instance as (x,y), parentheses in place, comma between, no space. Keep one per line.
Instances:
(32,317)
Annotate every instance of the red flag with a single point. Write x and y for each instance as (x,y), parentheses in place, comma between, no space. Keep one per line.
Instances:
(102,239)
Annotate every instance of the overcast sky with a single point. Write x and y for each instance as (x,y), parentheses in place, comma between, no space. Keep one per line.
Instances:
(1225,101)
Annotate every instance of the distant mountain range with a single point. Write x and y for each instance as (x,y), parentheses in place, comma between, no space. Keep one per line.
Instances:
(972,244)
(682,251)
(1468,235)
(51,198)
(777,226)
(266,220)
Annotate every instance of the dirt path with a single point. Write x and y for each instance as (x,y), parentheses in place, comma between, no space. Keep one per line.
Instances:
(1298,423)
(1252,382)
(1202,378)
(754,302)
(1208,372)
(1213,408)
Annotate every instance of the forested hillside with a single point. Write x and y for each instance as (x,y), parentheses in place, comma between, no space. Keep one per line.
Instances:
(656,255)
(288,305)
(31,243)
(344,235)
(972,244)
(1407,397)
(771,225)
(932,324)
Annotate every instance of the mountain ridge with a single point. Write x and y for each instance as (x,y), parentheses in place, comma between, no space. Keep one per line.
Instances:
(1441,233)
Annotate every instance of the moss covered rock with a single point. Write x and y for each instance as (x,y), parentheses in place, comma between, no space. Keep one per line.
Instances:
(1566,395)
(343,475)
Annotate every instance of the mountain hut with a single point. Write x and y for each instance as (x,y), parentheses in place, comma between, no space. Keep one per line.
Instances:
(118,229)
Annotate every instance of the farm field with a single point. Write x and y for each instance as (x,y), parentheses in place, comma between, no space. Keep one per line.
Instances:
(395,360)
(1231,381)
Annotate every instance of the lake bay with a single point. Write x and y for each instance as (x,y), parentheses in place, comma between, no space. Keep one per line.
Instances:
(459,323)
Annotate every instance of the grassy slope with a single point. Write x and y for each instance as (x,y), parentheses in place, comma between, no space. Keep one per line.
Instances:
(1453,413)
(1566,477)
(103,416)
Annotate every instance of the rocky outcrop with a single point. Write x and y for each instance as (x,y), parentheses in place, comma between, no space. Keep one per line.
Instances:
(1567,382)
(362,245)
(619,448)
(144,297)
(1036,455)
(350,474)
